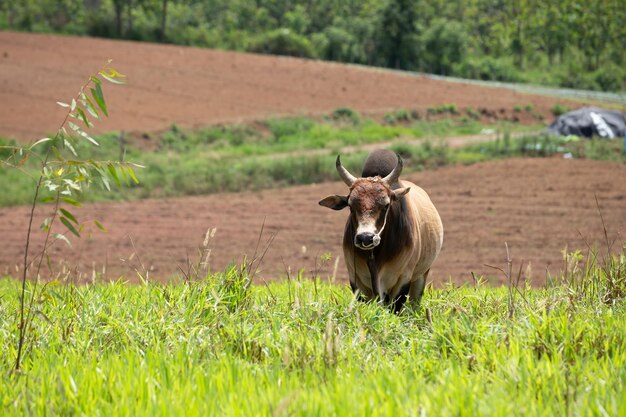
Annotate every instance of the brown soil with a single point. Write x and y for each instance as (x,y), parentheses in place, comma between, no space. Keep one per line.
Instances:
(199,87)
(537,206)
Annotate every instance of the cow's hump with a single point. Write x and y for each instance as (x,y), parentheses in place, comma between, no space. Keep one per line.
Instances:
(379,163)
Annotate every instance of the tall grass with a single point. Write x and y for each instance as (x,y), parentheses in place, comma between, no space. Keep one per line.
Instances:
(218,346)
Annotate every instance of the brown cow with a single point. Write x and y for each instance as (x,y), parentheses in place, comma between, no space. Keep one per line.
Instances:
(393,234)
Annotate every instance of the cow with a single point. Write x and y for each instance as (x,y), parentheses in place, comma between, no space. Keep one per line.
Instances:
(393,233)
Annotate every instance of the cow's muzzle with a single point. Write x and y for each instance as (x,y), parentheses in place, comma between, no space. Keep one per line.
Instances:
(366,241)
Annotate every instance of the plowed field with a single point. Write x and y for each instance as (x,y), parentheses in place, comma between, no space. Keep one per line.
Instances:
(198,87)
(537,206)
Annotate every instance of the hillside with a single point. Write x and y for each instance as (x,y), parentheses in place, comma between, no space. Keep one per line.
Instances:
(198,87)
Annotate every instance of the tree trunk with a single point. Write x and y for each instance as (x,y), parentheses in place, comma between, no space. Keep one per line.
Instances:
(129,18)
(163,21)
(117,4)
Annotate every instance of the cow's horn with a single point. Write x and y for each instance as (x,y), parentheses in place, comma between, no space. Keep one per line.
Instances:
(395,174)
(348,178)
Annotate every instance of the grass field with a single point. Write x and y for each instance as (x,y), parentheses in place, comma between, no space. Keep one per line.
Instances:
(283,152)
(219,346)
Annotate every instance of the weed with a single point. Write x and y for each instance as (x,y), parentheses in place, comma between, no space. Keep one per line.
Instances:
(559,109)
(346,113)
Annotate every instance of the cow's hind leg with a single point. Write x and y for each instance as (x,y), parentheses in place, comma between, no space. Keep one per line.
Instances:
(417,288)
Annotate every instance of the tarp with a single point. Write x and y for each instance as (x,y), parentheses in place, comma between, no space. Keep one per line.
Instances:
(590,121)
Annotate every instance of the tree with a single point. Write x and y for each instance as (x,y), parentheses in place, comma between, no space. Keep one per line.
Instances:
(444,45)
(398,34)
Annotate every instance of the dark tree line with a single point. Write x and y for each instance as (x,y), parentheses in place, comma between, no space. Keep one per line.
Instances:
(560,42)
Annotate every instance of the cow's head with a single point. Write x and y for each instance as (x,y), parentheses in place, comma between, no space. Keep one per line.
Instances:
(369,200)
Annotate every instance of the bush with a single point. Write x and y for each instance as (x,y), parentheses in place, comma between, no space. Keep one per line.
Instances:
(559,109)
(283,42)
(489,69)
(290,126)
(346,113)
(610,77)
(444,46)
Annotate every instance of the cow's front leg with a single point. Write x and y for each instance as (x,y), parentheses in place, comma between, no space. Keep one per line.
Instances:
(417,288)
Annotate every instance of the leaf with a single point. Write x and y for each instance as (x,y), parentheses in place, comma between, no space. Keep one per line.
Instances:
(49,262)
(105,181)
(112,73)
(69,146)
(111,80)
(71,201)
(60,103)
(73,105)
(97,95)
(100,226)
(45,226)
(40,141)
(113,173)
(69,226)
(91,108)
(59,236)
(89,138)
(56,152)
(83,117)
(124,173)
(132,174)
(68,215)
(73,126)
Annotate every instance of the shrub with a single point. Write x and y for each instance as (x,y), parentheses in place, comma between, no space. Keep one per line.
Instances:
(610,77)
(346,113)
(472,113)
(488,69)
(289,126)
(283,42)
(559,109)
(397,116)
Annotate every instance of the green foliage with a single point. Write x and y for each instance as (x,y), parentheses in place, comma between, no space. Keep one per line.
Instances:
(488,68)
(565,43)
(472,113)
(398,33)
(398,116)
(285,127)
(64,176)
(447,108)
(428,155)
(217,346)
(545,146)
(345,113)
(289,151)
(559,109)
(444,46)
(283,42)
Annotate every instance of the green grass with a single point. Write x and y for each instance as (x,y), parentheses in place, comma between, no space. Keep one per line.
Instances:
(284,152)
(218,346)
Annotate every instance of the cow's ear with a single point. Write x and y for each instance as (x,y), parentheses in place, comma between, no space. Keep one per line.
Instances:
(335,202)
(400,192)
